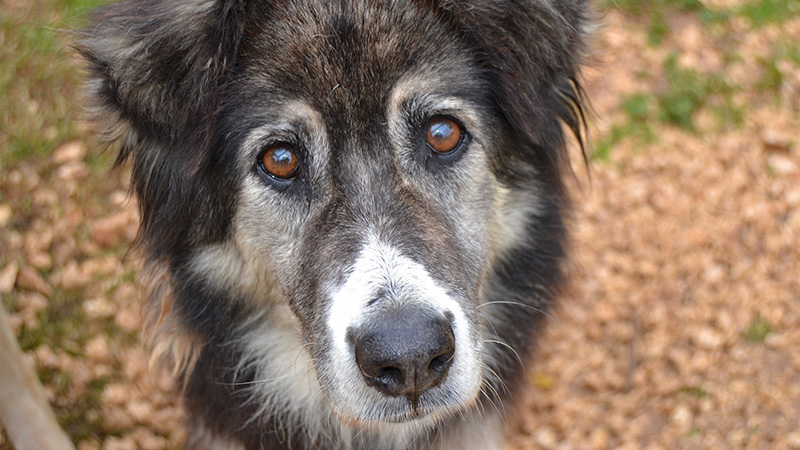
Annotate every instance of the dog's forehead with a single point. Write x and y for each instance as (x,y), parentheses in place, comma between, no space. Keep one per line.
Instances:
(343,57)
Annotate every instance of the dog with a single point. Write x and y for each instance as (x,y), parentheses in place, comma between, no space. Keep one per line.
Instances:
(353,213)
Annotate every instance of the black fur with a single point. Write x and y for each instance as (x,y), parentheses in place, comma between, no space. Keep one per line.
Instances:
(171,83)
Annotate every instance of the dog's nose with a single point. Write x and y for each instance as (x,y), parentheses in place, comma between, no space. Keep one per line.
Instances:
(404,352)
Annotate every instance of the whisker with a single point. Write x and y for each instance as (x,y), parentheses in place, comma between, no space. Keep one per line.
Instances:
(494,405)
(480,403)
(250,383)
(494,392)
(506,345)
(509,302)
(497,379)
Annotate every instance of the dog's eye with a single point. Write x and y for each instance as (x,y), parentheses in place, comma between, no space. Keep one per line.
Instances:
(444,134)
(280,161)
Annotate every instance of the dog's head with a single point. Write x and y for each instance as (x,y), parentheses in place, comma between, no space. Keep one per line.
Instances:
(373,167)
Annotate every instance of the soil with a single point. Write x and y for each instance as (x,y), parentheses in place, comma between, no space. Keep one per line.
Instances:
(681,325)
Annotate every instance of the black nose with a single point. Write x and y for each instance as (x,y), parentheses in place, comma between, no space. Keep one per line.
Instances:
(404,352)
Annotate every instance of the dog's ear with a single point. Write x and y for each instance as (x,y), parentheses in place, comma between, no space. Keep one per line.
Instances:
(156,70)
(156,66)
(532,50)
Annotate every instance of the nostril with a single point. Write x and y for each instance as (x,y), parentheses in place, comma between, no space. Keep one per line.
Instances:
(389,375)
(440,363)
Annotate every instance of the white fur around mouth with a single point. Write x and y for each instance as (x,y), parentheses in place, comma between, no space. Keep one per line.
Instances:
(377,266)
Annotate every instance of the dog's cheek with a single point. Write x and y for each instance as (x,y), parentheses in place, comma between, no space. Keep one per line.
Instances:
(468,202)
(258,261)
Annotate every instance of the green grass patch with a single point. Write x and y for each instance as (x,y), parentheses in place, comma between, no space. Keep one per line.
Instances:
(658,30)
(83,418)
(715,16)
(688,91)
(59,380)
(694,433)
(657,11)
(791,51)
(62,326)
(80,418)
(639,7)
(758,330)
(759,13)
(764,12)
(638,107)
(8,301)
(772,77)
(685,92)
(642,132)
(39,77)
(696,392)
(638,125)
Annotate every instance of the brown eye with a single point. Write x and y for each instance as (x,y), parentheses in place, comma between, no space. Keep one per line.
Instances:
(280,161)
(443,134)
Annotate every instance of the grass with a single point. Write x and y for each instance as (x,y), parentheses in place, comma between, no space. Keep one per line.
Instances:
(656,11)
(696,392)
(38,79)
(638,125)
(773,77)
(685,93)
(759,13)
(641,132)
(765,12)
(689,91)
(758,330)
(83,418)
(694,432)
(639,7)
(62,325)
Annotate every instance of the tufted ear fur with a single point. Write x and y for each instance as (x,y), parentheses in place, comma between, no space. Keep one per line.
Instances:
(156,71)
(157,64)
(532,50)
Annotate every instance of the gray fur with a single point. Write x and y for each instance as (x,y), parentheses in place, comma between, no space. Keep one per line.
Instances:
(254,280)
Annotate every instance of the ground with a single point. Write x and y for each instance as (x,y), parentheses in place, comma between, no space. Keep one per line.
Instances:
(681,325)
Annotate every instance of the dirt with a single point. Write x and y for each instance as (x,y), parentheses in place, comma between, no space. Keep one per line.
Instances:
(686,251)
(681,326)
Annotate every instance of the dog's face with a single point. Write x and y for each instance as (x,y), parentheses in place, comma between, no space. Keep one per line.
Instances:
(366,175)
(367,188)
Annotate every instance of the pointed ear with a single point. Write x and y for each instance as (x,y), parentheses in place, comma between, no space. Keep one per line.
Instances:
(533,50)
(156,68)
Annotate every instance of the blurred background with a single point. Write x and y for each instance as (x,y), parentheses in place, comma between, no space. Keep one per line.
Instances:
(681,328)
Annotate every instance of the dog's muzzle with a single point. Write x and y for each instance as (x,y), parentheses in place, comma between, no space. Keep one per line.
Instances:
(404,350)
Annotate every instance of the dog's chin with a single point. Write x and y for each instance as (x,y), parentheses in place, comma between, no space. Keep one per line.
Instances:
(396,421)
(398,415)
